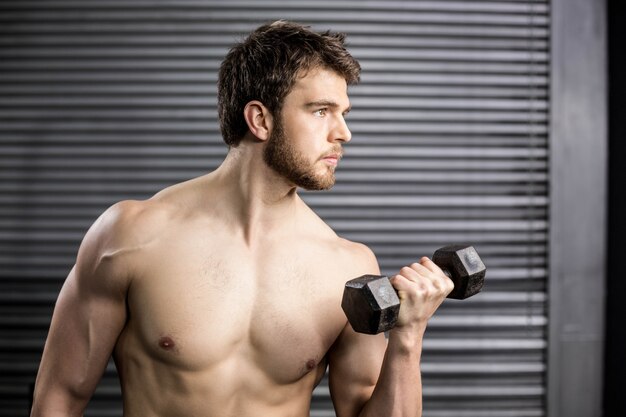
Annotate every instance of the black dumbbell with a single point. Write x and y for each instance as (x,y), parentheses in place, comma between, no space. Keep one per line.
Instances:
(372,304)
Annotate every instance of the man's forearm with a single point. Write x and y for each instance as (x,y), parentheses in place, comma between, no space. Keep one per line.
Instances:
(398,392)
(53,402)
(53,414)
(39,411)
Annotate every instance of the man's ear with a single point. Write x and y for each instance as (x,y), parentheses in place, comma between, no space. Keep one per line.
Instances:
(259,119)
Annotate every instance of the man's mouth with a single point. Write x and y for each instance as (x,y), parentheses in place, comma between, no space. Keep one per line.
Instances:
(332,158)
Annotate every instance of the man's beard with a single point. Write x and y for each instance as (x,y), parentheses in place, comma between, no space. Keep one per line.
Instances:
(282,157)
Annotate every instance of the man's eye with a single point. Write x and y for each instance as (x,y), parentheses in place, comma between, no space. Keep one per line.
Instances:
(320,112)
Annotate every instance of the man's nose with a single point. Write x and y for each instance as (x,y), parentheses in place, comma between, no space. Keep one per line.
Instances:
(341,132)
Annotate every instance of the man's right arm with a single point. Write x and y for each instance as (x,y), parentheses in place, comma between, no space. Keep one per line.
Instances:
(89,315)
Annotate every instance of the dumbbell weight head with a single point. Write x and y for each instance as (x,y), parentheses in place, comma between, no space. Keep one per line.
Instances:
(464,267)
(372,305)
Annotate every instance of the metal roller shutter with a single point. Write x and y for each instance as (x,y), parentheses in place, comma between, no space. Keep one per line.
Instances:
(107,100)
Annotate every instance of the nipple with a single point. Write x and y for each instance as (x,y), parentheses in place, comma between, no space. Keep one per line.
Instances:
(166,343)
(310,364)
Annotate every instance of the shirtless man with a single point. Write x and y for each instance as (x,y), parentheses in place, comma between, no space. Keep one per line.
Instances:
(220,296)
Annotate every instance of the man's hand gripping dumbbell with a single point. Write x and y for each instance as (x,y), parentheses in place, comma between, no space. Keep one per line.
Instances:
(372,305)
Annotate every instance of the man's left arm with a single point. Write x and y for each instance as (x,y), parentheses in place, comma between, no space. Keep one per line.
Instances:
(355,358)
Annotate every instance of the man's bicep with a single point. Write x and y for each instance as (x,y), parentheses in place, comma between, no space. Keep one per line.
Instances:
(88,317)
(82,333)
(354,366)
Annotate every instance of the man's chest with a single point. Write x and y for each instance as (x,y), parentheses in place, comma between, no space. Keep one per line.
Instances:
(201,307)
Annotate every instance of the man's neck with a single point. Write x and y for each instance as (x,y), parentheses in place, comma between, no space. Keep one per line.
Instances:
(261,202)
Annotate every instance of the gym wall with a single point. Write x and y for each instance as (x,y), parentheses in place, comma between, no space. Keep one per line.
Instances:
(102,101)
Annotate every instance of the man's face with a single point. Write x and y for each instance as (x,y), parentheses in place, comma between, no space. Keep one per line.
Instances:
(305,143)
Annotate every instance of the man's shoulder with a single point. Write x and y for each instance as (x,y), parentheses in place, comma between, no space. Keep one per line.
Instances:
(350,256)
(103,254)
(129,219)
(141,218)
(358,256)
(126,226)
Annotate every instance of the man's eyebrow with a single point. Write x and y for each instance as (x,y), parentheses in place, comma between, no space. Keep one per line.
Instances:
(326,103)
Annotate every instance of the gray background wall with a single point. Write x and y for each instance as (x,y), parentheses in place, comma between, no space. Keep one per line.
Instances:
(615,361)
(453,142)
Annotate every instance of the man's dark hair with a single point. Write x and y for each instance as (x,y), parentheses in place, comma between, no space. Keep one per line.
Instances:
(266,65)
